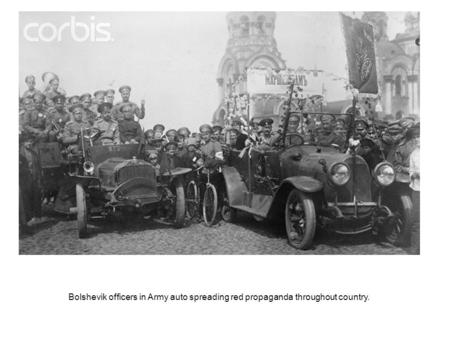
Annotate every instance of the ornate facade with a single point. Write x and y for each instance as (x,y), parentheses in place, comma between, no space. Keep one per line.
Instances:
(250,44)
(398,65)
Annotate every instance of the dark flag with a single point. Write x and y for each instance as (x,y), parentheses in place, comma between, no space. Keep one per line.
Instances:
(359,43)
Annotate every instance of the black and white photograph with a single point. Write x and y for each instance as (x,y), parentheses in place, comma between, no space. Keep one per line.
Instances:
(224,169)
(223,133)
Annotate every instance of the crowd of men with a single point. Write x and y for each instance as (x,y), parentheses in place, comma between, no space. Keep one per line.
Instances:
(51,116)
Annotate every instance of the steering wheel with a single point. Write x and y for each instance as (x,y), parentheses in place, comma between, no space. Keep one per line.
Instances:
(294,139)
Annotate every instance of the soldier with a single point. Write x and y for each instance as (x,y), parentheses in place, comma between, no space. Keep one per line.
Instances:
(129,130)
(109,96)
(403,151)
(189,155)
(217,133)
(340,128)
(125,93)
(31,84)
(149,136)
(72,101)
(211,150)
(57,118)
(159,130)
(72,129)
(88,115)
(99,98)
(266,138)
(171,135)
(34,122)
(326,136)
(391,138)
(109,129)
(292,129)
(183,134)
(52,87)
(364,145)
(153,160)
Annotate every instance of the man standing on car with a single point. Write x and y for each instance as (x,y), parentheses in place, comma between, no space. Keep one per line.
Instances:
(135,110)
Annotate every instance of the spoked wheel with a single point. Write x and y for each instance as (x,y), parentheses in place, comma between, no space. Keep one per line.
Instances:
(81,211)
(228,213)
(398,229)
(192,200)
(180,204)
(210,205)
(300,220)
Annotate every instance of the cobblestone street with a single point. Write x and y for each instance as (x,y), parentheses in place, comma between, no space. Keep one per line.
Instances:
(145,237)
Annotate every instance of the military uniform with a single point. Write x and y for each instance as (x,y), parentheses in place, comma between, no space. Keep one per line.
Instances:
(35,125)
(327,138)
(57,120)
(116,111)
(130,130)
(110,131)
(72,130)
(89,116)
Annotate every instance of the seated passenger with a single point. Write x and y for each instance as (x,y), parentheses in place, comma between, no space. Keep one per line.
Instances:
(266,138)
(326,137)
(130,131)
(72,129)
(108,128)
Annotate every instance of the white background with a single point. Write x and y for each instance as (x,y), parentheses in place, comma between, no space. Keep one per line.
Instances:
(409,294)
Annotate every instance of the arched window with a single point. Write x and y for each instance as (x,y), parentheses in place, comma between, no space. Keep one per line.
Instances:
(245,26)
(260,25)
(398,85)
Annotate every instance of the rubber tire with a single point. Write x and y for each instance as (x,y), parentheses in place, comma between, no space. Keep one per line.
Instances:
(227,213)
(81,211)
(189,212)
(405,207)
(180,204)
(210,222)
(310,219)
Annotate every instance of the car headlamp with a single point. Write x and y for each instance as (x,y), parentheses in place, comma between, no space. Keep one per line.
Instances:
(339,173)
(88,168)
(384,173)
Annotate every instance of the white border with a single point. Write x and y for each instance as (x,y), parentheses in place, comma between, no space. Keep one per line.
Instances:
(409,294)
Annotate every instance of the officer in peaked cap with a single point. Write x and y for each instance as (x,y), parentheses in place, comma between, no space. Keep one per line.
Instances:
(159,131)
(125,93)
(217,132)
(266,137)
(171,135)
(109,95)
(325,134)
(88,115)
(361,127)
(211,150)
(108,127)
(99,98)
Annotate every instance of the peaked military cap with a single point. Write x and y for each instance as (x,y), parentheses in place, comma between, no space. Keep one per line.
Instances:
(265,122)
(98,92)
(59,99)
(124,88)
(104,105)
(158,127)
(73,107)
(84,96)
(205,127)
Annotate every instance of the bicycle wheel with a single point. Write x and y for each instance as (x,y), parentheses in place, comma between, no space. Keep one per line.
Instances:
(192,199)
(210,205)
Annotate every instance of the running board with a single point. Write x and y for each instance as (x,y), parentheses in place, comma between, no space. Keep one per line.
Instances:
(258,205)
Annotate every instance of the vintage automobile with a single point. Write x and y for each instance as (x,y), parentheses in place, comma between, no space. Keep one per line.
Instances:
(114,179)
(309,186)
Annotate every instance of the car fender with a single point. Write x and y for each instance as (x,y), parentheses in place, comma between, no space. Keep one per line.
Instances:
(304,183)
(234,185)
